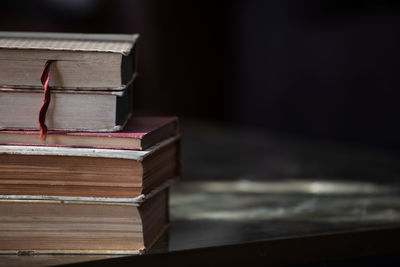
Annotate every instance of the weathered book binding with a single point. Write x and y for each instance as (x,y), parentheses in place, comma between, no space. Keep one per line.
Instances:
(35,225)
(84,172)
(139,133)
(80,61)
(99,111)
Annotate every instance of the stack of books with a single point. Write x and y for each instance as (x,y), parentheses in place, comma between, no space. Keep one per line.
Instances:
(78,173)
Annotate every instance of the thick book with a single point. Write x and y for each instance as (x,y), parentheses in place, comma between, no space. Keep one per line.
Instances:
(79,61)
(139,133)
(65,226)
(86,172)
(103,111)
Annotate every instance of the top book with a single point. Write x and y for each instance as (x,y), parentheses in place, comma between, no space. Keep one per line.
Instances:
(80,61)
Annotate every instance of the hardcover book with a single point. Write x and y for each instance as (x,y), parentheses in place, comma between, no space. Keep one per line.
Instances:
(65,226)
(68,110)
(79,61)
(139,133)
(85,172)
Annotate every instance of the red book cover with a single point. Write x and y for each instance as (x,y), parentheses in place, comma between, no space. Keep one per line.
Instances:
(139,133)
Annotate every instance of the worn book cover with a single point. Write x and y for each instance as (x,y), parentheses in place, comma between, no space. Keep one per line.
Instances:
(87,172)
(79,61)
(139,133)
(73,111)
(85,226)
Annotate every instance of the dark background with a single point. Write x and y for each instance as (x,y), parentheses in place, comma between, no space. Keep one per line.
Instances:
(320,69)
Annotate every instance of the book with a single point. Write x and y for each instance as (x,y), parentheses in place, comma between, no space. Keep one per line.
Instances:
(139,133)
(85,172)
(80,61)
(64,226)
(68,110)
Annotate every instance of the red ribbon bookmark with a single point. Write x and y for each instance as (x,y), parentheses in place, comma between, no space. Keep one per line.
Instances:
(46,100)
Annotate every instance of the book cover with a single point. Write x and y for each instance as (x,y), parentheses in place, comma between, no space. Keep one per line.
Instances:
(79,61)
(90,226)
(138,134)
(87,172)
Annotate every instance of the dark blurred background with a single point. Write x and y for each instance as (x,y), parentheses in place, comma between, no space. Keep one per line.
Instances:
(320,69)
